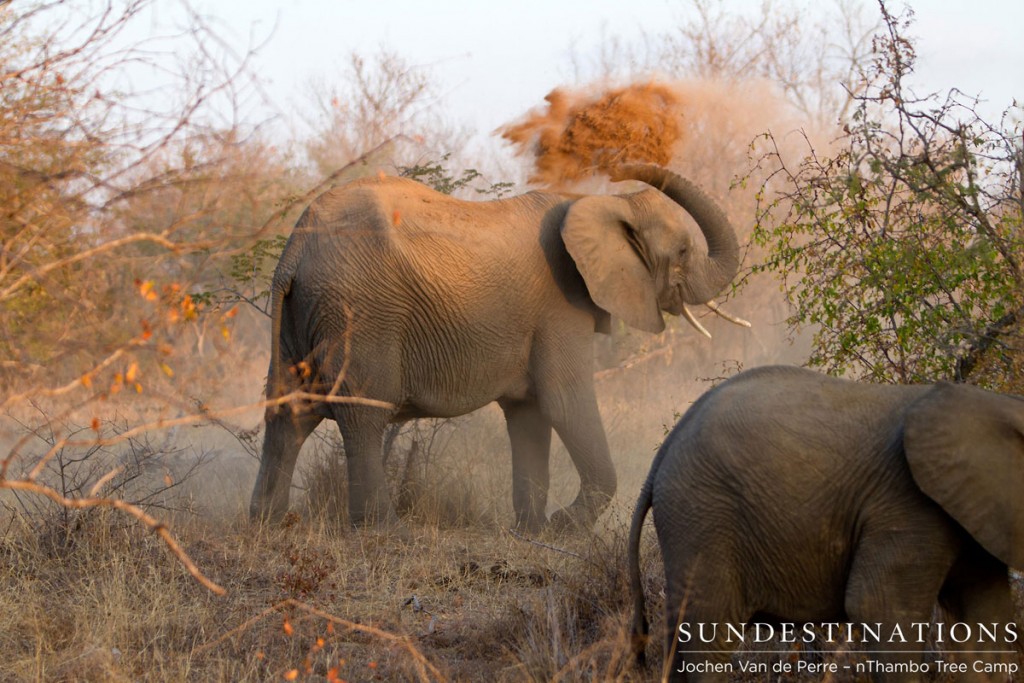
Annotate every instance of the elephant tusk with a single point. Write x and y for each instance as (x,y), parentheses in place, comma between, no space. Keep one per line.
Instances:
(731,318)
(693,321)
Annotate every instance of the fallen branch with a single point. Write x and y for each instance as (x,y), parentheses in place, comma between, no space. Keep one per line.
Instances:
(424,668)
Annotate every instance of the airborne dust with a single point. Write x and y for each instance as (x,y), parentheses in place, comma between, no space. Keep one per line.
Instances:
(580,133)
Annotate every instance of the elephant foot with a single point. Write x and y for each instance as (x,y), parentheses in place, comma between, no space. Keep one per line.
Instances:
(568,520)
(267,514)
(383,525)
(391,532)
(530,525)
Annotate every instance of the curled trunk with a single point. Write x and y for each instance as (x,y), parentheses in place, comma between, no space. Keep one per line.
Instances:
(714,273)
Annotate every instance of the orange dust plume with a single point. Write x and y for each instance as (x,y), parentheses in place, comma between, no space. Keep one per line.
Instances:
(584,133)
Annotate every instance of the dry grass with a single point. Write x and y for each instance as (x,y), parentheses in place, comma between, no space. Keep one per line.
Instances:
(311,601)
(472,602)
(459,598)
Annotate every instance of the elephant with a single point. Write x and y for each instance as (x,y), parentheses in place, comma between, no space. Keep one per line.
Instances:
(787,497)
(392,301)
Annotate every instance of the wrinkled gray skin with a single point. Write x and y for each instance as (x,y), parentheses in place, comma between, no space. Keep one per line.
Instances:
(785,495)
(440,306)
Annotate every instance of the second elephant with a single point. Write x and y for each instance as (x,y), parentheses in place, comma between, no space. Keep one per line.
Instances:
(784,495)
(428,306)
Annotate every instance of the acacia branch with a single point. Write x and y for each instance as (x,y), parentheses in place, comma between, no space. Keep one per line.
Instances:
(424,669)
(154,525)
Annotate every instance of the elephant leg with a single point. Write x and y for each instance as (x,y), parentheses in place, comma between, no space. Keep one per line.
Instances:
(895,580)
(583,435)
(369,501)
(701,601)
(530,435)
(978,592)
(286,431)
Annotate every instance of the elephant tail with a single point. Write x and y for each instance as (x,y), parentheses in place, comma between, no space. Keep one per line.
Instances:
(280,287)
(640,625)
(275,378)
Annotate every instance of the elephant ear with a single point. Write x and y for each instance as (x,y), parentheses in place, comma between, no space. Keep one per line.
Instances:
(599,233)
(965,447)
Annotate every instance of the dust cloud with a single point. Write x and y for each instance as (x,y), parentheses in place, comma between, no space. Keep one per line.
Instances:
(582,132)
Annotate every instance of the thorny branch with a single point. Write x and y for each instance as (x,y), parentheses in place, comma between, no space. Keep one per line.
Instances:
(424,669)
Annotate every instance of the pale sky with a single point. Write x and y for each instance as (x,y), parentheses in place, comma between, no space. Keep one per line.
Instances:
(495,61)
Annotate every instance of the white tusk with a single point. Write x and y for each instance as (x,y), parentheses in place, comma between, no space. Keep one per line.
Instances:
(731,318)
(693,321)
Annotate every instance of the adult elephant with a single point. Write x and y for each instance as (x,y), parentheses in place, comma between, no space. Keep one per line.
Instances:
(784,495)
(390,291)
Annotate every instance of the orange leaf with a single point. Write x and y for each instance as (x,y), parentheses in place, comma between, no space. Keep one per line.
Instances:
(167,369)
(287,628)
(232,313)
(291,675)
(132,373)
(372,665)
(188,308)
(138,388)
(95,424)
(146,290)
(86,380)
(396,217)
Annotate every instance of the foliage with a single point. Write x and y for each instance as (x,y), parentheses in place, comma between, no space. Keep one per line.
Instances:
(901,247)
(103,187)
(437,175)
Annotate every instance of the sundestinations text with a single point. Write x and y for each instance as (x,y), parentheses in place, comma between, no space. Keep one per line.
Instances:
(861,632)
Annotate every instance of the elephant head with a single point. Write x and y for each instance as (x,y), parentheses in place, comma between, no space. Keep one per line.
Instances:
(636,256)
(973,465)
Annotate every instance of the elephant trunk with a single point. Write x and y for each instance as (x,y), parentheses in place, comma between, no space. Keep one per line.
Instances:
(712,274)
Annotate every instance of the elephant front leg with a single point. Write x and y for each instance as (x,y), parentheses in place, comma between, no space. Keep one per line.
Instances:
(894,580)
(530,435)
(978,591)
(286,430)
(583,435)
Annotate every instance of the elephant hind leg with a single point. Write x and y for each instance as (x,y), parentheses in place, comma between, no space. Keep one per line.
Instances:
(704,608)
(285,433)
(369,501)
